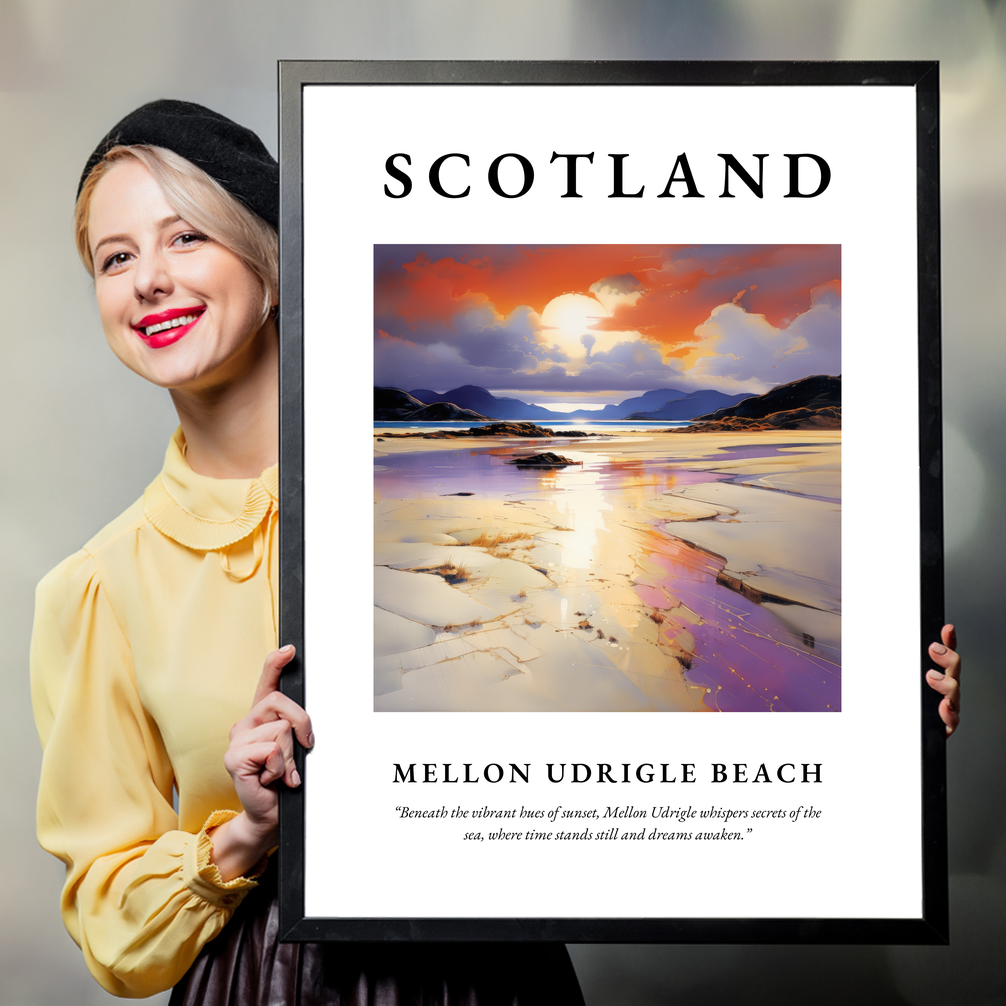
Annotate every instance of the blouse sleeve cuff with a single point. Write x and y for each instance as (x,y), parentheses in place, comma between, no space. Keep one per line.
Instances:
(202,876)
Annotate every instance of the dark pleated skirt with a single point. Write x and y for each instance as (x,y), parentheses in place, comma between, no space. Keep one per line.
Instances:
(246,965)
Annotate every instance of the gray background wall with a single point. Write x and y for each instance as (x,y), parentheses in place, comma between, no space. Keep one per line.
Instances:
(81,437)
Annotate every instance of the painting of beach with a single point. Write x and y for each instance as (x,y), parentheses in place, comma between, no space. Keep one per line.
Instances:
(607,478)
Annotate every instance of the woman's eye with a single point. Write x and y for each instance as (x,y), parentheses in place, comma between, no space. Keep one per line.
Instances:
(114,261)
(190,238)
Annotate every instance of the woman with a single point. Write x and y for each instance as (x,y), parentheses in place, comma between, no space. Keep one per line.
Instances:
(148,643)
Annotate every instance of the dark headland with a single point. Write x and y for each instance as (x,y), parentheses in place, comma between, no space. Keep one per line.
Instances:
(812,403)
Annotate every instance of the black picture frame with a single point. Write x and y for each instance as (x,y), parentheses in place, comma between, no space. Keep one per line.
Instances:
(931,927)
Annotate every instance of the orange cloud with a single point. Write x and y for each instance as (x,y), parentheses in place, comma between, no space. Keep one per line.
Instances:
(678,287)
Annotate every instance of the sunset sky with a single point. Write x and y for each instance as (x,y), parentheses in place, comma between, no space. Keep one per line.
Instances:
(591,324)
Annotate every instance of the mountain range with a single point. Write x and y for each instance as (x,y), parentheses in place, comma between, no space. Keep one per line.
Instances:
(471,401)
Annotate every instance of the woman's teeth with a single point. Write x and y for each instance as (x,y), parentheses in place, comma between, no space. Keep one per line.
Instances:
(174,323)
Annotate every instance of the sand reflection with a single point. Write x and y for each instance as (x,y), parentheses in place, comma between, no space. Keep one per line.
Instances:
(663,572)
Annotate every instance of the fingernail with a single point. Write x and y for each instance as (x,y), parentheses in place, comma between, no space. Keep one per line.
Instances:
(936,675)
(286,649)
(938,648)
(295,777)
(310,740)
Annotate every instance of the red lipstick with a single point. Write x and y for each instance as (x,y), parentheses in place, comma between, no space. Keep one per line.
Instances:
(166,327)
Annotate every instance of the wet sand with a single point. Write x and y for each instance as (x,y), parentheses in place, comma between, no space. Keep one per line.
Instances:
(667,572)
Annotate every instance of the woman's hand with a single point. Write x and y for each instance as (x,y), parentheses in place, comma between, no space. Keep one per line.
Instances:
(260,753)
(947,682)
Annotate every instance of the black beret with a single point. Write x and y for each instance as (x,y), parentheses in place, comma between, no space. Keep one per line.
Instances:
(230,154)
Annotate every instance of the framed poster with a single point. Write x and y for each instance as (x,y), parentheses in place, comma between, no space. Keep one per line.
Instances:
(611,498)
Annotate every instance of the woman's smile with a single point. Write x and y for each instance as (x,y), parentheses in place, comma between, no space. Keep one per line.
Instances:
(166,327)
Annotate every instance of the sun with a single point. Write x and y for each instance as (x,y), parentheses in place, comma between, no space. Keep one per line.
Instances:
(568,321)
(573,312)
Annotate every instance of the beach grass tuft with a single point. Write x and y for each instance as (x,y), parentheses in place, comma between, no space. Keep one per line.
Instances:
(492,542)
(454,572)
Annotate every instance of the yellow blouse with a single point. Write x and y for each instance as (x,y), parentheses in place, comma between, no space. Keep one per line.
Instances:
(147,647)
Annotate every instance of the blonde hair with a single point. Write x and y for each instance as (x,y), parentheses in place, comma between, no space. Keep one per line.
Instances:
(199,200)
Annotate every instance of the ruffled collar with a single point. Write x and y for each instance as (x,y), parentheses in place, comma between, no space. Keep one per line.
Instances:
(203,513)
